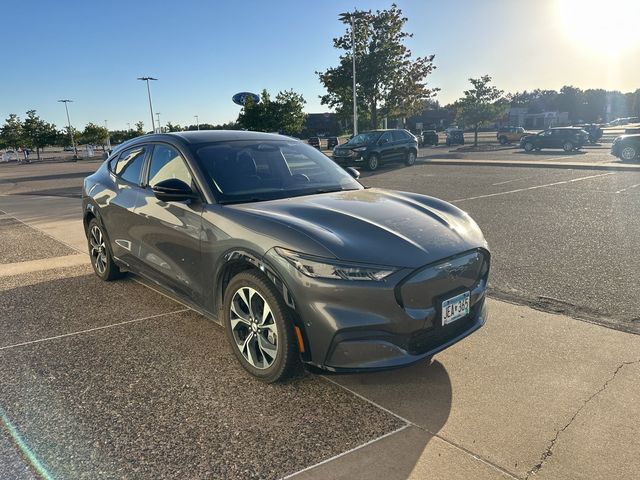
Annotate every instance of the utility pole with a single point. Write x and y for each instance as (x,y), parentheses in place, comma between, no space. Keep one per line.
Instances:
(73,142)
(146,79)
(197,121)
(108,136)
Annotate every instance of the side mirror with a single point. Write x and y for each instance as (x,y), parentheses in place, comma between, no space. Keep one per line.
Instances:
(173,190)
(353,172)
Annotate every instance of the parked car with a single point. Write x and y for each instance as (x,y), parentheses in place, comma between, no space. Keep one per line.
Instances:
(507,135)
(371,149)
(314,142)
(429,137)
(67,149)
(594,130)
(332,142)
(566,138)
(454,137)
(289,252)
(627,148)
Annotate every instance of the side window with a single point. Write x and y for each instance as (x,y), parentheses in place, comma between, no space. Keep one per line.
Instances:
(167,163)
(399,135)
(129,164)
(385,138)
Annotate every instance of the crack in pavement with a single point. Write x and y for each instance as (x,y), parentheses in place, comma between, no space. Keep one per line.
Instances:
(549,451)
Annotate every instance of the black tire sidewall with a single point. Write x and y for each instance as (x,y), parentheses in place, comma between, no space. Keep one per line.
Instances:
(112,271)
(407,162)
(288,356)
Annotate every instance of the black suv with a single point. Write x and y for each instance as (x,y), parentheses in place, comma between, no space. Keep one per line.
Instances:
(370,149)
(566,138)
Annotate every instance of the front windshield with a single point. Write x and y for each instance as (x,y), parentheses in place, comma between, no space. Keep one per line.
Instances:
(364,138)
(253,171)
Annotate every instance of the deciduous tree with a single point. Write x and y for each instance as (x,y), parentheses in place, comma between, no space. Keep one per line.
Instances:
(480,105)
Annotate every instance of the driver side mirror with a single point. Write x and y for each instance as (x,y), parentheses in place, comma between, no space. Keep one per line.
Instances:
(353,172)
(173,190)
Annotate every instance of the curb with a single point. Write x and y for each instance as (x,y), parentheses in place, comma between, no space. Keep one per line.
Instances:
(507,163)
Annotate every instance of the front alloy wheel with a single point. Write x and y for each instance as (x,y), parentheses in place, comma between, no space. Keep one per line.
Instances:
(628,154)
(373,162)
(567,146)
(528,146)
(259,327)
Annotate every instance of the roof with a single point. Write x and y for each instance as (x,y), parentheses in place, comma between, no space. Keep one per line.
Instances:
(208,136)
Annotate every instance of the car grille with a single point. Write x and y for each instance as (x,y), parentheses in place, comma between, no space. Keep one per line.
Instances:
(424,340)
(341,152)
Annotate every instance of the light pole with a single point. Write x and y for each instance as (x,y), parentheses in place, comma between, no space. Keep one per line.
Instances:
(73,142)
(351,18)
(197,121)
(128,126)
(146,79)
(159,124)
(108,136)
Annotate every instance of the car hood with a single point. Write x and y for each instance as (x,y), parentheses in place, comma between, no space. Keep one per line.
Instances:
(376,226)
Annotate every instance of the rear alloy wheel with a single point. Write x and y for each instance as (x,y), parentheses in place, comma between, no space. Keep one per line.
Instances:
(373,162)
(101,258)
(259,328)
(568,146)
(528,146)
(411,158)
(628,154)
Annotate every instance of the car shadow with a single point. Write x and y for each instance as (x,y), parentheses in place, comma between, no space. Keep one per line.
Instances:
(553,153)
(421,394)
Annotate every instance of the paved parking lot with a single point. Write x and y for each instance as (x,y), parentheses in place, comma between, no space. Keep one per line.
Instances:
(118,381)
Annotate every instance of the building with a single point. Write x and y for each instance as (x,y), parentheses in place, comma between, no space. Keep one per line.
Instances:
(519,117)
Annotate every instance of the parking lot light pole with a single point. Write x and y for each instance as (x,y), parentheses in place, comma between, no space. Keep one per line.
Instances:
(146,79)
(108,136)
(73,142)
(159,124)
(197,121)
(351,18)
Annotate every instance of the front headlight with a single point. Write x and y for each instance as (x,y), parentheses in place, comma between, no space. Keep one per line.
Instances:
(320,267)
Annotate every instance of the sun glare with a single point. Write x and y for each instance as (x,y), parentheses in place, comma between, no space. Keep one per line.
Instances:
(608,27)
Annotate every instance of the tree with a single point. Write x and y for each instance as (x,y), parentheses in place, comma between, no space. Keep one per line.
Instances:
(139,129)
(389,82)
(284,114)
(12,133)
(95,135)
(480,105)
(173,127)
(37,133)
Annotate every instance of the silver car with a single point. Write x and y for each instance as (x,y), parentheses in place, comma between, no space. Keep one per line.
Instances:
(299,262)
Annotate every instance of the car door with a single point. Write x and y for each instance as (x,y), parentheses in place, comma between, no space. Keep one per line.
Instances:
(118,213)
(401,144)
(169,233)
(546,139)
(386,146)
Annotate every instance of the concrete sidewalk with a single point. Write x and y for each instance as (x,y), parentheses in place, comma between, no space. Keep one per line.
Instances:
(531,395)
(611,166)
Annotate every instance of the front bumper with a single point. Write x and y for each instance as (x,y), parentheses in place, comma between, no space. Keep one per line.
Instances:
(348,161)
(352,326)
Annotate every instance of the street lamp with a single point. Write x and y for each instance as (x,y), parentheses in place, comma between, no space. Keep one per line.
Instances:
(344,17)
(159,124)
(146,79)
(128,126)
(73,142)
(108,136)
(197,121)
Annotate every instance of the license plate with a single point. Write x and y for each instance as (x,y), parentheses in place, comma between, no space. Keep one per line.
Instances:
(455,308)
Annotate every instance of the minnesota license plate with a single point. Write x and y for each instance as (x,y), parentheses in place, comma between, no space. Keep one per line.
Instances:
(455,308)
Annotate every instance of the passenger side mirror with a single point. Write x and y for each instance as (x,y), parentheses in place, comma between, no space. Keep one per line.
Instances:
(353,172)
(173,190)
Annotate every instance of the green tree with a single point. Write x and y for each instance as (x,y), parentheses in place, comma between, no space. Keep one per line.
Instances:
(139,129)
(37,133)
(389,82)
(480,105)
(173,127)
(12,134)
(95,135)
(284,114)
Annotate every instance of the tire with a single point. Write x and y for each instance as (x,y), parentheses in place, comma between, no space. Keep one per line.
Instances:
(411,158)
(503,140)
(373,162)
(628,153)
(264,343)
(100,252)
(568,146)
(528,147)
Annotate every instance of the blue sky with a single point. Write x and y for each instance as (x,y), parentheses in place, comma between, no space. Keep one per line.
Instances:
(203,52)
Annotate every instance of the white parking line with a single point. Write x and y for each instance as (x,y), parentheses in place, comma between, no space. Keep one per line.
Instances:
(533,188)
(628,188)
(80,332)
(509,181)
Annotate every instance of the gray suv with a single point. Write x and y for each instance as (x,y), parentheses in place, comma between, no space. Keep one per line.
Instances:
(298,261)
(372,149)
